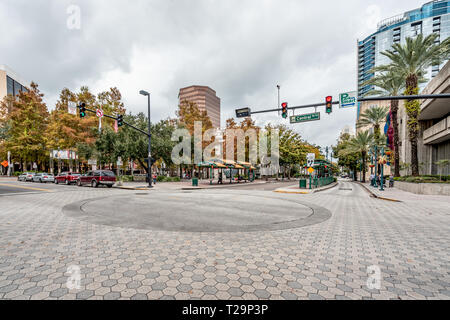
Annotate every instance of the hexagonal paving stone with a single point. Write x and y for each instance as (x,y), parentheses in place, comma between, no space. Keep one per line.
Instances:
(8,288)
(245,280)
(139,296)
(184,288)
(198,277)
(152,275)
(222,279)
(159,286)
(262,294)
(58,293)
(109,283)
(209,290)
(33,291)
(85,294)
(112,296)
(235,292)
(129,273)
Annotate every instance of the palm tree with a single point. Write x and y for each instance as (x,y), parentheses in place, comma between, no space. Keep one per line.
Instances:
(361,145)
(410,61)
(374,117)
(390,84)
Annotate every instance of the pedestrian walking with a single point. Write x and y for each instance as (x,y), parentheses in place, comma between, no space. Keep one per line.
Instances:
(154,178)
(391,181)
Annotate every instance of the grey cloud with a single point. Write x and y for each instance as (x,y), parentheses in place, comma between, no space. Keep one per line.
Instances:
(242,49)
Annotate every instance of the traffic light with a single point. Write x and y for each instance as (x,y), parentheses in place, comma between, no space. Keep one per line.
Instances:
(120,120)
(82,110)
(329,104)
(284,107)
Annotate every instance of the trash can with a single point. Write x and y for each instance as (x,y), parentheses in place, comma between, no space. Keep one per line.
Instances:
(302,184)
(195,182)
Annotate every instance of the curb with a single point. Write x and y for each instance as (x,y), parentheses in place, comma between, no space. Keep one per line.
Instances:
(281,190)
(373,195)
(224,186)
(131,188)
(334,184)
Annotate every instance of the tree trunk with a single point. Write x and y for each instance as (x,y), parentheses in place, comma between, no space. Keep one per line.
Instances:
(413,110)
(394,110)
(364,167)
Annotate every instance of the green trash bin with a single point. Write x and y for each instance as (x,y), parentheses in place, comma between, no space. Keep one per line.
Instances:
(194,182)
(302,184)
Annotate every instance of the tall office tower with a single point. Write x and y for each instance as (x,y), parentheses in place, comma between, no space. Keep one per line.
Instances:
(432,17)
(206,100)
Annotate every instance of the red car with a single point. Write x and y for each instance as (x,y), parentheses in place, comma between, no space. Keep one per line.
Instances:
(67,178)
(97,178)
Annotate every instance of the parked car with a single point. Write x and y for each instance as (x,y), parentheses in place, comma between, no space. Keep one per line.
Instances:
(97,178)
(43,178)
(67,178)
(29,176)
(23,176)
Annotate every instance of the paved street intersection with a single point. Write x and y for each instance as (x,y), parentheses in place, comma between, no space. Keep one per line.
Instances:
(234,243)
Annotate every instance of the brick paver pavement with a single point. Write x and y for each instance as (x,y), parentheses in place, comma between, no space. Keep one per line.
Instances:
(409,242)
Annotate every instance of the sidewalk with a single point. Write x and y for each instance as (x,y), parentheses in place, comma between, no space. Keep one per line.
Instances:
(397,195)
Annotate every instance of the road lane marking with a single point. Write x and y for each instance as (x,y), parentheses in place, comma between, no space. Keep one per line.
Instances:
(25,188)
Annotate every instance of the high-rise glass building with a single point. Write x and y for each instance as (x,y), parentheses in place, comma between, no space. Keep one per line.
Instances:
(432,17)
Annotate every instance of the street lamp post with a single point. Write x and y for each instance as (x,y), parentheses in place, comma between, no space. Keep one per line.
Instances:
(376,166)
(149,159)
(279,87)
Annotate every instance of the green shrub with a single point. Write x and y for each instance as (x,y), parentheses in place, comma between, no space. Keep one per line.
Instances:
(17,173)
(126,178)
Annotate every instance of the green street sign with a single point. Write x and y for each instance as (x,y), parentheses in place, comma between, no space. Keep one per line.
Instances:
(305,118)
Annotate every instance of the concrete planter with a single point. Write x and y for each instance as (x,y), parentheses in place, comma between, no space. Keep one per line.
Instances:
(439,189)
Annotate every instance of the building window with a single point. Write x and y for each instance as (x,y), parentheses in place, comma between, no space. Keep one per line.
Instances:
(416,29)
(10,85)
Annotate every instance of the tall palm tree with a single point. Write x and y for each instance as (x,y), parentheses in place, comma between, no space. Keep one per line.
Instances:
(390,84)
(410,61)
(361,145)
(373,117)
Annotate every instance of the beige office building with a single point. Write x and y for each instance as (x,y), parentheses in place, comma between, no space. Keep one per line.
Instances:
(206,100)
(10,82)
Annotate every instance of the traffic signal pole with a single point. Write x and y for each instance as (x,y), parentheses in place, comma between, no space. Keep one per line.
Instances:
(124,122)
(387,98)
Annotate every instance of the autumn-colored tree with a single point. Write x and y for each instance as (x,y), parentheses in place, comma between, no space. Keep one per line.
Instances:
(65,130)
(27,120)
(111,103)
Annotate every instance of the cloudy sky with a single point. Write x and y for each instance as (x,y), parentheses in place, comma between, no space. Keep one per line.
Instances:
(240,48)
